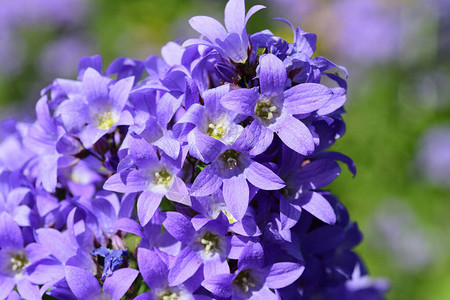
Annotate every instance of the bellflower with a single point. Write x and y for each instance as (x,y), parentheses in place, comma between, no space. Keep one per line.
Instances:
(99,107)
(273,108)
(232,41)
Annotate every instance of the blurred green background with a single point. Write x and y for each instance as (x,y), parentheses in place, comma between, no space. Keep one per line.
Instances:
(397,53)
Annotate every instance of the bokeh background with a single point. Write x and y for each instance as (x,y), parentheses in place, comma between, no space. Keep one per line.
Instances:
(398,109)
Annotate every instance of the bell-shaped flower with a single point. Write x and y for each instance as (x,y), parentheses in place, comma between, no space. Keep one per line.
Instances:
(97,108)
(155,176)
(273,108)
(232,40)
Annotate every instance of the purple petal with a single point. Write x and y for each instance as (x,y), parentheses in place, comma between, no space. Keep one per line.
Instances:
(306,97)
(318,206)
(338,99)
(242,101)
(89,135)
(129,225)
(235,16)
(27,290)
(179,193)
(147,203)
(169,145)
(82,283)
(143,154)
(219,285)
(127,182)
(272,75)
(262,177)
(318,173)
(185,265)
(120,91)
(294,134)
(10,234)
(236,195)
(57,243)
(204,147)
(289,213)
(252,257)
(7,284)
(207,182)
(246,227)
(283,274)
(152,268)
(179,226)
(209,27)
(252,11)
(119,282)
(95,86)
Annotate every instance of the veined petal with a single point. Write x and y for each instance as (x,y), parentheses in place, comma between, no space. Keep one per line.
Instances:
(147,203)
(235,16)
(120,91)
(242,101)
(204,147)
(127,182)
(152,268)
(272,75)
(10,234)
(179,226)
(236,195)
(185,265)
(219,285)
(262,177)
(178,192)
(119,282)
(254,9)
(318,206)
(306,97)
(95,86)
(207,182)
(82,283)
(294,134)
(283,274)
(209,27)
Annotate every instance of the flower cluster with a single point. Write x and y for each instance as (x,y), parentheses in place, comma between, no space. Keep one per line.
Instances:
(201,179)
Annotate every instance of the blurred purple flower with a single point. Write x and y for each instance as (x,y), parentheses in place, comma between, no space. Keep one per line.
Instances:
(433,157)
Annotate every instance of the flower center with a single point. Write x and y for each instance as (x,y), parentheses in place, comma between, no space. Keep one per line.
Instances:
(169,294)
(230,157)
(162,177)
(105,120)
(244,281)
(18,261)
(265,110)
(216,131)
(210,242)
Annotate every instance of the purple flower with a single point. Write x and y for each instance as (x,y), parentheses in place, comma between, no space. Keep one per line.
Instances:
(273,108)
(112,260)
(232,42)
(85,286)
(233,170)
(253,278)
(156,177)
(97,108)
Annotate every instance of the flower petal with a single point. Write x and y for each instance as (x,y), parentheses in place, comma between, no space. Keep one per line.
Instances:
(82,283)
(147,203)
(262,177)
(119,282)
(283,274)
(207,182)
(306,97)
(242,101)
(294,134)
(318,206)
(236,195)
(272,75)
(185,265)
